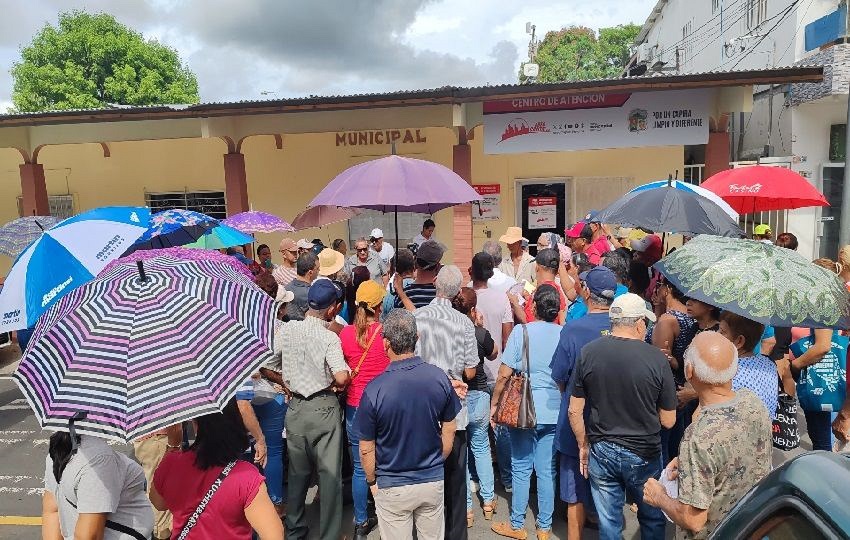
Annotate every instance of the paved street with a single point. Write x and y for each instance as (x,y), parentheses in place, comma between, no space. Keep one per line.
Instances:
(23,447)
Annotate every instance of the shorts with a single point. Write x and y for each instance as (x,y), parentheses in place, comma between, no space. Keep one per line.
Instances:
(575,488)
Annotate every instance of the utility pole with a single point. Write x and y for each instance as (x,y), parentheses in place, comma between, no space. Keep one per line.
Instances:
(530,69)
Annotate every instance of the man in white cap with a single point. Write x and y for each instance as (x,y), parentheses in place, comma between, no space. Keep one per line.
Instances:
(520,265)
(384,249)
(304,245)
(629,388)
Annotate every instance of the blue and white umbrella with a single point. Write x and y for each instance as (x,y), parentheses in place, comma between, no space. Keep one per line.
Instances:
(65,257)
(692,188)
(16,235)
(175,227)
(221,237)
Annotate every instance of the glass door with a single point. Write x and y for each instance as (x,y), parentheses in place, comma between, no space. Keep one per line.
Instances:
(833,180)
(542,208)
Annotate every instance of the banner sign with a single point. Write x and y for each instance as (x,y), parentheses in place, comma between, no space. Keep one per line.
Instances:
(596,121)
(491,202)
(542,212)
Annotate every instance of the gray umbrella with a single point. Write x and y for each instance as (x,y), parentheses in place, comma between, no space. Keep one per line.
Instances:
(670,210)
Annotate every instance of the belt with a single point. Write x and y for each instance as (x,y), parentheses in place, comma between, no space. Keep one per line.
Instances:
(326,391)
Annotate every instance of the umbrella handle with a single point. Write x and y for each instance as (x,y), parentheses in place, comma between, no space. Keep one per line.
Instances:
(142,274)
(72,430)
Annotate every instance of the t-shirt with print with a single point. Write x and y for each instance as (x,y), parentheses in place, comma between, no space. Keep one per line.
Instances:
(625,382)
(758,374)
(574,336)
(182,485)
(99,480)
(421,294)
(724,453)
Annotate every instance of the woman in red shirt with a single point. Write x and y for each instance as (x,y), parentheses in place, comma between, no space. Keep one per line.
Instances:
(363,348)
(241,502)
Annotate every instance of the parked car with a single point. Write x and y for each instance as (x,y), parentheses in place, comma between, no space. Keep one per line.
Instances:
(807,498)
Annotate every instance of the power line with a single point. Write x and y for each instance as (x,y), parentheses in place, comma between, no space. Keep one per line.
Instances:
(794,35)
(782,15)
(711,41)
(693,35)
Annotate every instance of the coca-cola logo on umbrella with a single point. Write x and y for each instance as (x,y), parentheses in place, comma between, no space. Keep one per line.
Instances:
(735,188)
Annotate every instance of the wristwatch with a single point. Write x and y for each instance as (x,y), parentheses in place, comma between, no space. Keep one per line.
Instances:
(371,483)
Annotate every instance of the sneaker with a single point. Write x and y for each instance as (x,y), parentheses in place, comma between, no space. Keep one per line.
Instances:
(473,486)
(361,532)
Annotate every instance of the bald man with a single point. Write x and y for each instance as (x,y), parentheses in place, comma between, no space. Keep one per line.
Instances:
(725,451)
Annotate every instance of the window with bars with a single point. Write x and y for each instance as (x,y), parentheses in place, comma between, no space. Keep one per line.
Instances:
(715,6)
(211,203)
(687,45)
(756,13)
(61,206)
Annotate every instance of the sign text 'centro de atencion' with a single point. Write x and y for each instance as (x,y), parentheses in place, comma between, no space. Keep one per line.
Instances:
(596,121)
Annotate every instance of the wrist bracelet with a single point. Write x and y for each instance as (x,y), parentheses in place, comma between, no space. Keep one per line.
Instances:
(371,483)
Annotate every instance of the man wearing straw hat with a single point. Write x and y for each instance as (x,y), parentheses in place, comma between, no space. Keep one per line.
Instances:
(520,265)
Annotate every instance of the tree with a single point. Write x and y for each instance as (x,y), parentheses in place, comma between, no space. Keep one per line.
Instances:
(576,53)
(92,61)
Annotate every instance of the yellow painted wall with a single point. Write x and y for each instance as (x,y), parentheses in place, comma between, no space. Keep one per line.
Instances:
(283,181)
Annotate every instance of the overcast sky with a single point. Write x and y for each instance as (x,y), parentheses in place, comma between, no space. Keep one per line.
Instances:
(288,48)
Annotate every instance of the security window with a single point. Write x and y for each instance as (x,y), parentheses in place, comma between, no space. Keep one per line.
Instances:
(715,5)
(61,206)
(211,203)
(756,13)
(687,45)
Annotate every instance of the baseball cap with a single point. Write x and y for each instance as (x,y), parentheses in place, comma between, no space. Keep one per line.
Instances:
(376,233)
(370,293)
(575,230)
(284,295)
(288,244)
(330,262)
(762,230)
(591,217)
(601,281)
(429,254)
(548,258)
(628,306)
(323,294)
(304,244)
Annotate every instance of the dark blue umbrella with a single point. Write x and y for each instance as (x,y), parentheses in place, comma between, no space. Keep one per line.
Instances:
(670,210)
(175,227)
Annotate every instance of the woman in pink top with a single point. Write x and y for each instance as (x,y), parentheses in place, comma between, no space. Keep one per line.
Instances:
(241,502)
(363,348)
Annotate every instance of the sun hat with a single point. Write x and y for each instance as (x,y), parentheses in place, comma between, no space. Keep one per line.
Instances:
(628,306)
(330,262)
(376,233)
(601,281)
(370,293)
(323,294)
(512,236)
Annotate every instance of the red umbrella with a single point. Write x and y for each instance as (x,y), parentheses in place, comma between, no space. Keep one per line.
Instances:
(761,189)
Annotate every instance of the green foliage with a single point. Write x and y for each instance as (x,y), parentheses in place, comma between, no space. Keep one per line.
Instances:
(90,61)
(576,53)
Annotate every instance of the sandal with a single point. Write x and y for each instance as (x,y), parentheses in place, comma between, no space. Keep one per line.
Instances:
(489,509)
(470,519)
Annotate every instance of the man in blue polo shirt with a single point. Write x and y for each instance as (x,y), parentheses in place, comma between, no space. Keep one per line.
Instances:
(404,441)
(598,289)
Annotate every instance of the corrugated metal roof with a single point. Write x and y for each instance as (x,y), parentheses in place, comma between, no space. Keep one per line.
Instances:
(442,95)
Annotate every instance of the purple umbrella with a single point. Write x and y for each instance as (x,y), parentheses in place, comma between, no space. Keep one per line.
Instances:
(257,222)
(397,184)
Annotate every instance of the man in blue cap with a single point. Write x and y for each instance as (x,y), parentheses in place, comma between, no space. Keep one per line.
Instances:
(313,370)
(598,288)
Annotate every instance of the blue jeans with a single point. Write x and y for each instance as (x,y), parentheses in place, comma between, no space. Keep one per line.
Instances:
(819,428)
(533,449)
(502,436)
(478,434)
(271,416)
(615,471)
(359,488)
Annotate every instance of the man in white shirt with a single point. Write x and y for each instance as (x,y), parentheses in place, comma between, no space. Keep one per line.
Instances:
(500,281)
(384,249)
(520,264)
(427,232)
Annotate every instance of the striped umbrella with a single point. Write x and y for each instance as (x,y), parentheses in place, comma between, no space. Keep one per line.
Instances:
(16,235)
(157,338)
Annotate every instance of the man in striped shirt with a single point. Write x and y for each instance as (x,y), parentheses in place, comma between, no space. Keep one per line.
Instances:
(447,340)
(285,273)
(421,292)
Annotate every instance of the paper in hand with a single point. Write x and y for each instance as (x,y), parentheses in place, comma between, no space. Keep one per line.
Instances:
(670,486)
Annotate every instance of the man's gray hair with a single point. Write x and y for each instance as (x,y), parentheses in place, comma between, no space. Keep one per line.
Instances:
(625,322)
(400,331)
(708,374)
(494,249)
(600,300)
(448,282)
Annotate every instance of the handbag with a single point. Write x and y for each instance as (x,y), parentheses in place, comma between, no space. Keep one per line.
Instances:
(516,404)
(823,386)
(193,519)
(786,434)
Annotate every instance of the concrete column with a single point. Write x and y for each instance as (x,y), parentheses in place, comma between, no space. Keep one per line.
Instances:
(34,190)
(235,183)
(716,153)
(462,214)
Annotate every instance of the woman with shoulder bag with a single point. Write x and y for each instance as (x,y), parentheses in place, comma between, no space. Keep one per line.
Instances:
(210,491)
(532,448)
(363,349)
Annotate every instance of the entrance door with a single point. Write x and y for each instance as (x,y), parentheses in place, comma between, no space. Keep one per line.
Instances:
(542,208)
(833,180)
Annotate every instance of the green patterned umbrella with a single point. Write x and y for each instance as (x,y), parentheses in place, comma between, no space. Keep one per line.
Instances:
(772,285)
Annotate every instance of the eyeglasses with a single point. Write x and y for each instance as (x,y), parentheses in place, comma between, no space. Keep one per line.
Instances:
(362,249)
(288,251)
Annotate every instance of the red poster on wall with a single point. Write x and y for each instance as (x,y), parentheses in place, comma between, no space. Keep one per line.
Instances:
(490,205)
(542,212)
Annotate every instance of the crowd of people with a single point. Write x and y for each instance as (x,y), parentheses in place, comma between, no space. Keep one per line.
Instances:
(389,369)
